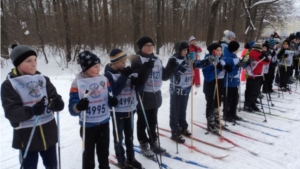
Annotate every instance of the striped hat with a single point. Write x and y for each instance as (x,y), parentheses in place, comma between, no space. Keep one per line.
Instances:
(117,55)
(257,46)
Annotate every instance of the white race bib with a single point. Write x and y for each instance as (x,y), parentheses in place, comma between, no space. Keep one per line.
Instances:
(98,96)
(31,89)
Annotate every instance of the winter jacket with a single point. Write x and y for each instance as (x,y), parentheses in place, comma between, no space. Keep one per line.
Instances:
(74,99)
(45,135)
(209,72)
(195,49)
(151,100)
(254,55)
(224,43)
(280,56)
(182,77)
(233,77)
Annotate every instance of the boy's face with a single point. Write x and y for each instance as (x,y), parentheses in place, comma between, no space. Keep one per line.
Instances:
(120,65)
(218,51)
(94,70)
(183,52)
(264,49)
(285,46)
(28,66)
(148,48)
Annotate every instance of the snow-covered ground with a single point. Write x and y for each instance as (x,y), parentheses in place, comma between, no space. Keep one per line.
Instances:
(284,154)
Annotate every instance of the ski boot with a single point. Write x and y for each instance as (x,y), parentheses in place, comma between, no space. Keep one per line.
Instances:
(134,163)
(186,132)
(156,148)
(145,150)
(178,139)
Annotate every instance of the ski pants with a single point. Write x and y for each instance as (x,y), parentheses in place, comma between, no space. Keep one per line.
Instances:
(284,75)
(211,100)
(96,136)
(48,156)
(151,115)
(230,102)
(269,78)
(252,90)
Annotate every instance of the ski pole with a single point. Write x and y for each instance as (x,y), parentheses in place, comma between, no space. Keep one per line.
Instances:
(217,89)
(174,97)
(29,141)
(192,106)
(83,130)
(116,130)
(260,98)
(58,136)
(148,128)
(264,82)
(225,104)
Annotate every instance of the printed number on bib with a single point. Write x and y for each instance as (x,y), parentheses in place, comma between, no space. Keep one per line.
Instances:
(96,109)
(125,101)
(155,75)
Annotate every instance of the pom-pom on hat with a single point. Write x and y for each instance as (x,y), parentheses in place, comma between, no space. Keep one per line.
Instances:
(213,46)
(192,38)
(117,55)
(144,40)
(19,53)
(233,46)
(87,60)
(257,46)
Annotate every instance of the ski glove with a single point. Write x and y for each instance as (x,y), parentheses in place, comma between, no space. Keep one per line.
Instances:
(286,55)
(220,66)
(172,64)
(56,104)
(126,71)
(39,107)
(273,53)
(113,101)
(135,81)
(83,104)
(150,63)
(228,68)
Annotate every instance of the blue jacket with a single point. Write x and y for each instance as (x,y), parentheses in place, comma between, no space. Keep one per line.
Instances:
(117,86)
(209,71)
(233,77)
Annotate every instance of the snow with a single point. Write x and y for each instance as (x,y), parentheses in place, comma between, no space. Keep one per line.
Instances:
(285,153)
(26,32)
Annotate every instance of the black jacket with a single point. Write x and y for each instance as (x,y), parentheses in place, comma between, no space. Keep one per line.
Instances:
(150,100)
(45,135)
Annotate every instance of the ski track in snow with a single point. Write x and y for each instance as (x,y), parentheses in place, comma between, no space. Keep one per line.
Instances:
(284,154)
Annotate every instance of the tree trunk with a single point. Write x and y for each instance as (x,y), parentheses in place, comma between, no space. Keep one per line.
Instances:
(4,36)
(136,13)
(211,24)
(234,16)
(159,27)
(68,31)
(107,26)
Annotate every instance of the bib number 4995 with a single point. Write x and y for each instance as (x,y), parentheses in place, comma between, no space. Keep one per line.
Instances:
(96,109)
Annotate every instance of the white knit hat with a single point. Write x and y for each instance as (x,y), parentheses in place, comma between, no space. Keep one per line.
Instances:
(192,38)
(229,34)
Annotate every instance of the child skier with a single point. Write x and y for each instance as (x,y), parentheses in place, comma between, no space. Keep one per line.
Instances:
(255,77)
(209,88)
(269,77)
(195,50)
(150,93)
(28,96)
(231,82)
(229,36)
(121,81)
(96,107)
(285,60)
(180,87)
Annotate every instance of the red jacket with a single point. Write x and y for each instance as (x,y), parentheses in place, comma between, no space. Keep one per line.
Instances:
(193,48)
(254,55)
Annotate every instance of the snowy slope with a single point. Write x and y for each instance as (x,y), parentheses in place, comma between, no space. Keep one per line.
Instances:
(284,154)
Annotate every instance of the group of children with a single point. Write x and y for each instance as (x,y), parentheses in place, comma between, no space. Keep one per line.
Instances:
(29,99)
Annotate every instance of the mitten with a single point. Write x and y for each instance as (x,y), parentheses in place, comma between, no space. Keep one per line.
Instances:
(56,104)
(113,101)
(136,81)
(39,107)
(228,68)
(220,66)
(126,71)
(150,64)
(286,55)
(83,104)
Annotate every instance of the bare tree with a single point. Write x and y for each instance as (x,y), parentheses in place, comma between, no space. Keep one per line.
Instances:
(212,22)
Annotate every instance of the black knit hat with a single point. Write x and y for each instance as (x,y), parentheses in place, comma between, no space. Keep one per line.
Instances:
(266,44)
(286,42)
(213,46)
(179,46)
(143,40)
(117,55)
(87,60)
(233,46)
(19,53)
(292,36)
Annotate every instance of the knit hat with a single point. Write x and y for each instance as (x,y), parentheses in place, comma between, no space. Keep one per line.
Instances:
(213,46)
(272,42)
(257,46)
(246,46)
(117,55)
(298,35)
(233,46)
(19,53)
(229,34)
(143,40)
(286,42)
(179,46)
(87,60)
(266,44)
(251,44)
(292,36)
(192,38)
